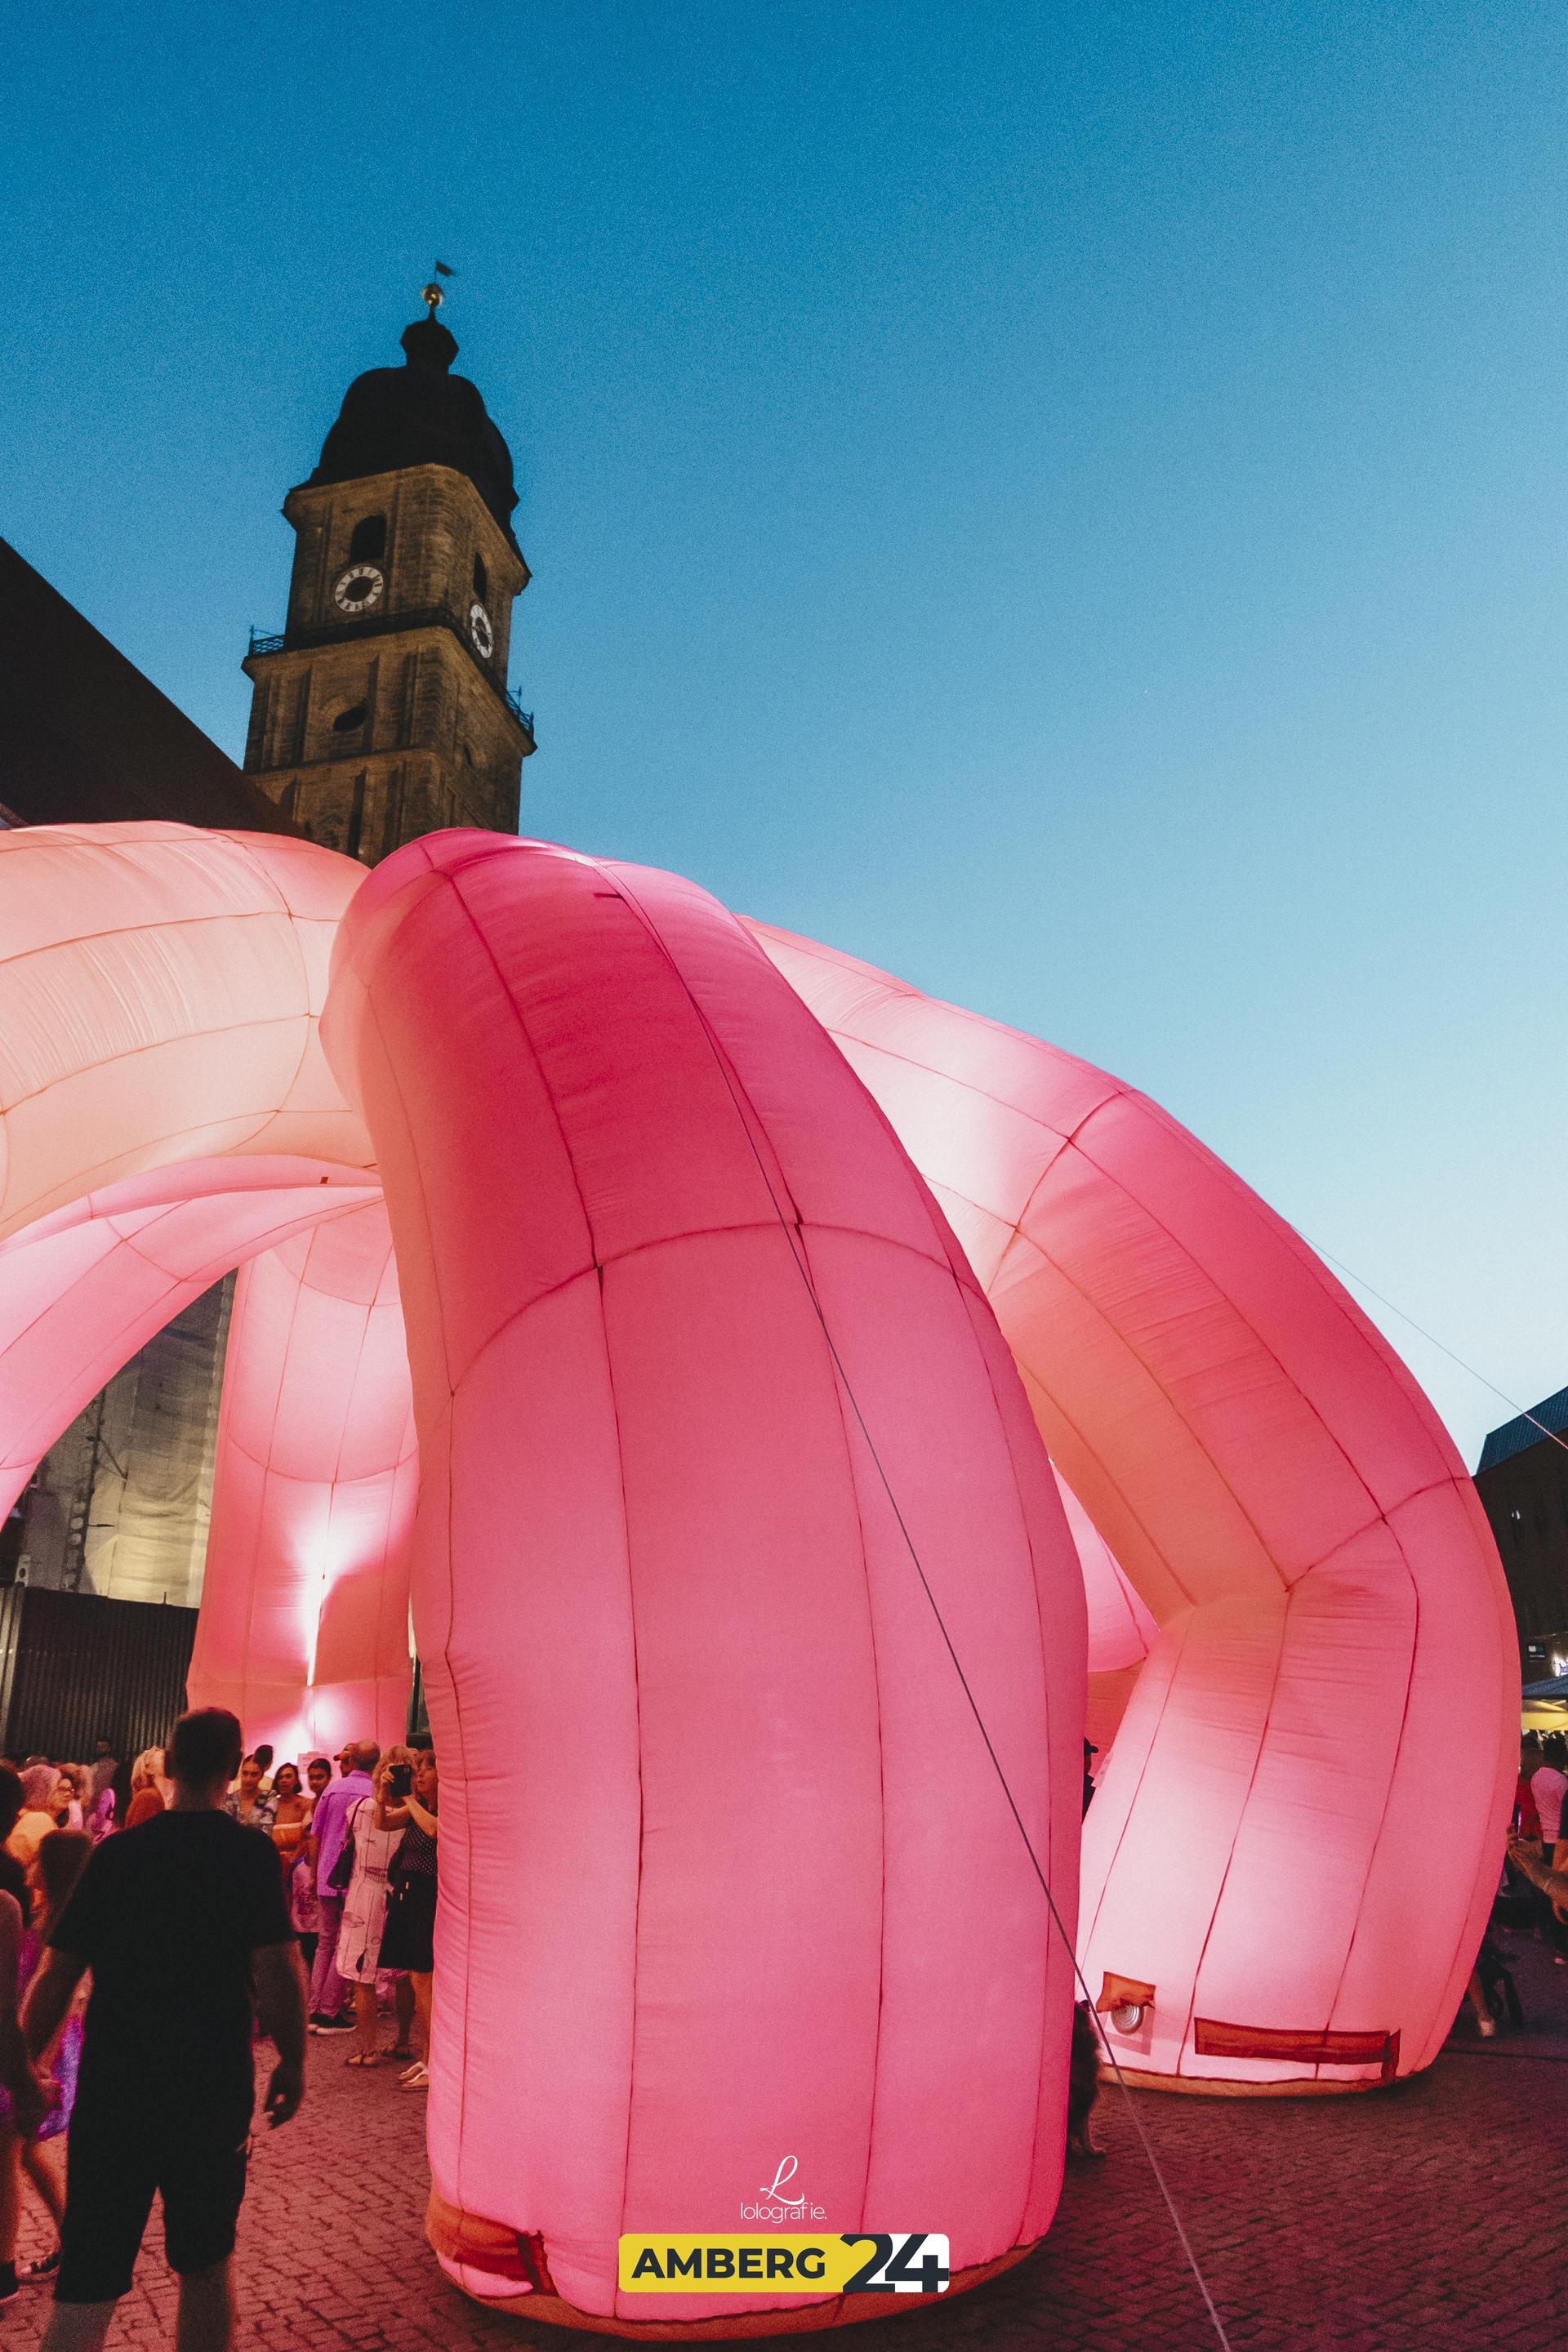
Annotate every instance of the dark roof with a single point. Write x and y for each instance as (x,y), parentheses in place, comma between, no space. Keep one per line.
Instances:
(418,414)
(1530,1429)
(89,741)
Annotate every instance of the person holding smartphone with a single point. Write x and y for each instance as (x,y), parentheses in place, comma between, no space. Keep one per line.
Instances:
(407,1938)
(364,1904)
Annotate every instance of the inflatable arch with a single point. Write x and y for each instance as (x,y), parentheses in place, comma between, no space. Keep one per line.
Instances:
(1333,1621)
(731,1270)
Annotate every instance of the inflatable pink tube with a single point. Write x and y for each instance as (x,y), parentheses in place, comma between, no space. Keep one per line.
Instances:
(727,1874)
(1336,1639)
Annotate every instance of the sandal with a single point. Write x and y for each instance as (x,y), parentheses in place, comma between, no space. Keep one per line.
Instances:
(363,2058)
(417,2079)
(403,2049)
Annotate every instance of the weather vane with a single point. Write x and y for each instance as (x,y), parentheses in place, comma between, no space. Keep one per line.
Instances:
(431,295)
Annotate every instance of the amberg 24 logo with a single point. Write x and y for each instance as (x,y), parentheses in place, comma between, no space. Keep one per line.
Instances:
(913,2261)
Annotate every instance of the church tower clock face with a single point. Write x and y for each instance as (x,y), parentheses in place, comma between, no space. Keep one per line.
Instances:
(481,631)
(360,588)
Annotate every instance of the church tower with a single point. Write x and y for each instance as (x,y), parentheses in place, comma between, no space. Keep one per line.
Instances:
(382,712)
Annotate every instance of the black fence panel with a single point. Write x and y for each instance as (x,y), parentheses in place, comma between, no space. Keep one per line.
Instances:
(73,1666)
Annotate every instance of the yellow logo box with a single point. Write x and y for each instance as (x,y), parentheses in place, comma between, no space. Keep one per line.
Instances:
(906,2261)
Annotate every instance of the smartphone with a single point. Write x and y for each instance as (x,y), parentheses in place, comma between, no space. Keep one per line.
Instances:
(400,1781)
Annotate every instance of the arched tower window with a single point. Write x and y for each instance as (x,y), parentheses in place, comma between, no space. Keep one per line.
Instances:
(369,541)
(481,581)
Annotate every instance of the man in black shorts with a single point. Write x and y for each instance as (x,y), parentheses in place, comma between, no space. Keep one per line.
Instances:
(185,1927)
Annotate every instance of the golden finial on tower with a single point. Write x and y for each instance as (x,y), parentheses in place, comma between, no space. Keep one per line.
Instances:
(431,295)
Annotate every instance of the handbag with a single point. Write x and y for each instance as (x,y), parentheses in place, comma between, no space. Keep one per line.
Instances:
(341,1875)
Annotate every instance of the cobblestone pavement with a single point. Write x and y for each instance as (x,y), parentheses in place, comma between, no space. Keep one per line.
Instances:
(1428,2218)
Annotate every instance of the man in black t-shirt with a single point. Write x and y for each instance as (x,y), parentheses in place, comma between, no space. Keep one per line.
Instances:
(183,1925)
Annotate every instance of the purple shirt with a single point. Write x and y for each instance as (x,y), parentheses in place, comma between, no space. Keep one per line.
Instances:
(330,1822)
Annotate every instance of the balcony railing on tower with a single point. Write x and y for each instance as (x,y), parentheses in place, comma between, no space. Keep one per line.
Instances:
(430,617)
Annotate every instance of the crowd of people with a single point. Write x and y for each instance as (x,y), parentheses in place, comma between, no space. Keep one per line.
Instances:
(362,1895)
(1532,1892)
(1538,1844)
(140,1945)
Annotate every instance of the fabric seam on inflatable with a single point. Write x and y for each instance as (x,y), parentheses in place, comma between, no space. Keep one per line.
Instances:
(881,1774)
(1330,1288)
(1158,1385)
(797,1244)
(1266,1345)
(1031,1379)
(1240,1819)
(1388,1792)
(642,1799)
(1054,1924)
(1087,1935)
(452,878)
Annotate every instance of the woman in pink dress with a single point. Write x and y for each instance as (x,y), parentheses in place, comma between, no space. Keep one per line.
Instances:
(33,2142)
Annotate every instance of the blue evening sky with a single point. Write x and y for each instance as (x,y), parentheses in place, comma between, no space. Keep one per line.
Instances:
(1067,501)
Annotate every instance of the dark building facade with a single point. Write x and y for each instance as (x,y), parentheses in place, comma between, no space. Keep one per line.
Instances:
(86,740)
(1522,1481)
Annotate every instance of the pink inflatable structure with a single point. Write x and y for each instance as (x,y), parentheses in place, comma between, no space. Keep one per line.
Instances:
(679,1314)
(1260,1905)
